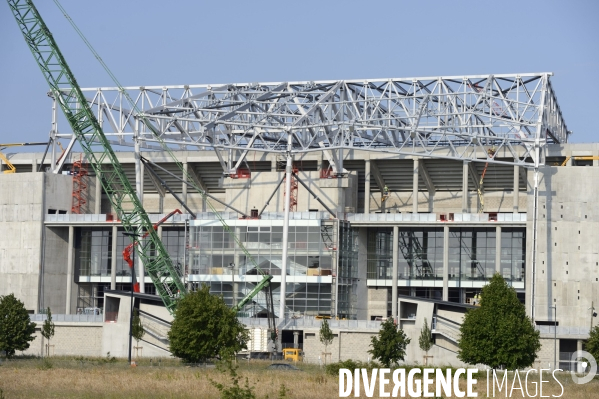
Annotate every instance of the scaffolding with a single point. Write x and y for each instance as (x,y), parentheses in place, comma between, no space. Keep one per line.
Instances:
(80,174)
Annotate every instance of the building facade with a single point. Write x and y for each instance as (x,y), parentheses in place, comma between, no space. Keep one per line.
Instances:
(354,253)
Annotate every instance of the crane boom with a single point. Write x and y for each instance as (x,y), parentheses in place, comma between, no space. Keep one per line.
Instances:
(98,151)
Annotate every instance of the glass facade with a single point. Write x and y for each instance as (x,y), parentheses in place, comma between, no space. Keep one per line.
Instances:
(93,252)
(421,253)
(472,253)
(215,257)
(513,254)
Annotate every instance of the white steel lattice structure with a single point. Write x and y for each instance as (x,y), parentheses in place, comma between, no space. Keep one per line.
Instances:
(444,117)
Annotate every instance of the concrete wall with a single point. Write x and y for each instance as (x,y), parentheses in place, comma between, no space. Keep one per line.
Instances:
(337,194)
(24,200)
(70,339)
(55,269)
(567,271)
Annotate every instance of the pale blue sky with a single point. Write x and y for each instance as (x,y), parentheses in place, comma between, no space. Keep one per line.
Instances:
(148,43)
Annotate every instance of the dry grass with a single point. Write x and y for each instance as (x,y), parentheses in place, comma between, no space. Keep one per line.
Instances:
(70,378)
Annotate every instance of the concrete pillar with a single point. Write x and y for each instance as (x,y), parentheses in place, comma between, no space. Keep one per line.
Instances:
(184,186)
(445,263)
(415,186)
(34,165)
(394,272)
(498,249)
(465,187)
(141,276)
(113,258)
(70,247)
(98,196)
(296,339)
(516,200)
(367,186)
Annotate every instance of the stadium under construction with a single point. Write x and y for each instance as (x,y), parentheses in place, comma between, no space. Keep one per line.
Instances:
(363,200)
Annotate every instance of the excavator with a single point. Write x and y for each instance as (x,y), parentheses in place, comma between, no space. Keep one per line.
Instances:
(165,276)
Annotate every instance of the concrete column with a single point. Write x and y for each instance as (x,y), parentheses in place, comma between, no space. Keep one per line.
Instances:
(141,278)
(34,165)
(296,339)
(394,272)
(367,186)
(184,186)
(465,187)
(98,196)
(498,249)
(113,259)
(516,200)
(445,263)
(70,262)
(415,186)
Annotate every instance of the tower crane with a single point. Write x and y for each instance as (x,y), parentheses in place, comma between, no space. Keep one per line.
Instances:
(123,198)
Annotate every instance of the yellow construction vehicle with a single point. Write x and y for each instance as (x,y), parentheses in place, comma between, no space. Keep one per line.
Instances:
(11,167)
(589,158)
(293,354)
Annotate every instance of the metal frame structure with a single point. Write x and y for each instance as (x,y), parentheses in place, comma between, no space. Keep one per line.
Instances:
(441,117)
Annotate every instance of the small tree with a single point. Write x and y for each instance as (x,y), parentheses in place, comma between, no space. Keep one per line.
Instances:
(389,346)
(205,328)
(498,333)
(137,329)
(426,340)
(16,329)
(592,345)
(48,329)
(326,337)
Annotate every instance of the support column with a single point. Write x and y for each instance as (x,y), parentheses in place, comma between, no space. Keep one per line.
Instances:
(34,165)
(70,259)
(516,200)
(184,185)
(498,249)
(98,196)
(296,339)
(394,273)
(113,258)
(367,186)
(288,171)
(415,187)
(445,263)
(465,178)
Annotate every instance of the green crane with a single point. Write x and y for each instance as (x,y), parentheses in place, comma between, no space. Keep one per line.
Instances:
(164,275)
(86,127)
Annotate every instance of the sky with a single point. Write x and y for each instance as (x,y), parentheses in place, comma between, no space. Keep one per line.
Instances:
(155,43)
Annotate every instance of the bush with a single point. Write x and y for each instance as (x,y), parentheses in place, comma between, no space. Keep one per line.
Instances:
(16,329)
(205,328)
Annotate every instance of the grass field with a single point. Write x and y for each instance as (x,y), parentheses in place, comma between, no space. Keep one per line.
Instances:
(67,378)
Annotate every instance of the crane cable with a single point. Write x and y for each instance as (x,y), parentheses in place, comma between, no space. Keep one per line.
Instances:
(139,114)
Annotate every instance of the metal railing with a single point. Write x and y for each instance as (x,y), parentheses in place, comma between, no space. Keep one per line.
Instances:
(70,318)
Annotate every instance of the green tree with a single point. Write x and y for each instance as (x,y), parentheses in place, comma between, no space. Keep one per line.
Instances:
(205,328)
(326,337)
(426,339)
(16,329)
(389,346)
(592,345)
(137,328)
(498,333)
(48,329)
